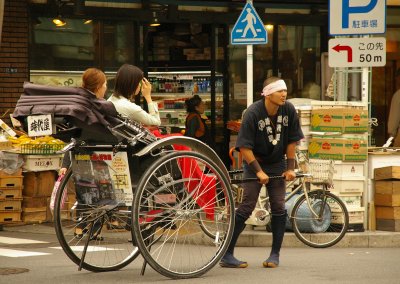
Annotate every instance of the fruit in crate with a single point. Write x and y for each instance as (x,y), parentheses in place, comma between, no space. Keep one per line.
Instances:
(38,145)
(24,139)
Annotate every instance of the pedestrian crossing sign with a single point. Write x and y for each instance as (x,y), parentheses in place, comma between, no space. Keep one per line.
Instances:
(249,29)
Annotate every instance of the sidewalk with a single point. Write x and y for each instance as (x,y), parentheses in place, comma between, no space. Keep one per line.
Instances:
(261,238)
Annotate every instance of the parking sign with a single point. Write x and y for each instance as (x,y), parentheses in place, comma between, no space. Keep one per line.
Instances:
(357,52)
(357,17)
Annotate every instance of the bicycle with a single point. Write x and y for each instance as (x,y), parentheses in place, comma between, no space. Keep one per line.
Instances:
(317,217)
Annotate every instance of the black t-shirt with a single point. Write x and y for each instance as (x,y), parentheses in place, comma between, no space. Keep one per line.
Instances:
(253,132)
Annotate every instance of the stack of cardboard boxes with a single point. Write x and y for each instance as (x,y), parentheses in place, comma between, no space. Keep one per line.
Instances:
(38,187)
(387,198)
(10,196)
(339,132)
(39,178)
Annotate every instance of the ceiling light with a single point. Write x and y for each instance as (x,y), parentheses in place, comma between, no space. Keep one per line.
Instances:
(269,27)
(154,21)
(59,21)
(87,21)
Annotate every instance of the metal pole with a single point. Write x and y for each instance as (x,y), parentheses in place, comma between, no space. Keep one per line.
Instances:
(249,75)
(249,71)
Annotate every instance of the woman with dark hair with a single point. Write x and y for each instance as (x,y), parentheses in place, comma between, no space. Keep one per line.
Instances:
(129,83)
(195,125)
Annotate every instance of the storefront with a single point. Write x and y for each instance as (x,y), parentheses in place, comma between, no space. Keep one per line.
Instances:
(190,52)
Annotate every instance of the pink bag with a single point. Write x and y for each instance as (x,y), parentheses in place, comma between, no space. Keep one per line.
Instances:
(54,193)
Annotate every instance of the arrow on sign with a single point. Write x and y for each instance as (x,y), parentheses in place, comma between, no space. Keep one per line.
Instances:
(347,48)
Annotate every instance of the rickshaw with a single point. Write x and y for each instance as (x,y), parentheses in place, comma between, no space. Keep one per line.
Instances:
(130,192)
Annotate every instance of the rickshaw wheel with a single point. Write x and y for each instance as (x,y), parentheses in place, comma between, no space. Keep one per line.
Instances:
(173,194)
(105,227)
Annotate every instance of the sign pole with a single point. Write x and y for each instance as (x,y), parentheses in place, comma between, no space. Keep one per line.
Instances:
(249,70)
(249,75)
(248,30)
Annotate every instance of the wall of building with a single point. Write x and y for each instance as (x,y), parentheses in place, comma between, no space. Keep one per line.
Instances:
(14,68)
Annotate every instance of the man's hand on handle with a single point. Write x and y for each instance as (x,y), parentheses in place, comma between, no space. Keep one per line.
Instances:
(289,175)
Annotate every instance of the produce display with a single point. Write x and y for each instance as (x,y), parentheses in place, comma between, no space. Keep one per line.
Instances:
(36,145)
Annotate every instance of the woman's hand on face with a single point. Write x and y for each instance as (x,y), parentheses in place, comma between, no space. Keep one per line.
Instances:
(146,89)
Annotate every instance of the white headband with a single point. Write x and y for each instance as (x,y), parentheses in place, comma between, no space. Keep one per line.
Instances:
(274,87)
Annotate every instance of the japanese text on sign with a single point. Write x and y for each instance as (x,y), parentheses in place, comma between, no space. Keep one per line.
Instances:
(357,52)
(355,17)
(40,125)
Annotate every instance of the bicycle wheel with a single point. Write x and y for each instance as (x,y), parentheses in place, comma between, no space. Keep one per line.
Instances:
(210,228)
(177,194)
(106,228)
(327,226)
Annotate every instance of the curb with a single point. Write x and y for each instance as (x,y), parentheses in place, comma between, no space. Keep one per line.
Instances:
(261,238)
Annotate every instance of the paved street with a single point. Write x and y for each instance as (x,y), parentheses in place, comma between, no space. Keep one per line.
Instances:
(46,262)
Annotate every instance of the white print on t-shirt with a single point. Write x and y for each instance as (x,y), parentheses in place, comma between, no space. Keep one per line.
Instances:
(285,121)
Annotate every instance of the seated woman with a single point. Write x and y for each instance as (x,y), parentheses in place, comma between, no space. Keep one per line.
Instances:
(95,81)
(129,83)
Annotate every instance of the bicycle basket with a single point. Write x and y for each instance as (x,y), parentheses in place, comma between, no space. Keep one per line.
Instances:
(321,171)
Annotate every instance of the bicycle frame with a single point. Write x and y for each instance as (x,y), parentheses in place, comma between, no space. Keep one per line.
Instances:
(257,220)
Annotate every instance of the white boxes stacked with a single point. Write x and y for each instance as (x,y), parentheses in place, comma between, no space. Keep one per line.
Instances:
(349,185)
(303,107)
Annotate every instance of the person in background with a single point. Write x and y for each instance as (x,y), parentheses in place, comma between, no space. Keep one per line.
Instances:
(129,83)
(394,116)
(267,139)
(95,81)
(195,125)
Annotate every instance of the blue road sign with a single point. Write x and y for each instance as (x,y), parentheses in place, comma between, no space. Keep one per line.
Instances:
(357,17)
(249,29)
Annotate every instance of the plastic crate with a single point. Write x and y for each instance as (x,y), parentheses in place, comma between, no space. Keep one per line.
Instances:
(41,149)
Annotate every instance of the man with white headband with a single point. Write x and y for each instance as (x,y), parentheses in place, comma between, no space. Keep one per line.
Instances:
(267,140)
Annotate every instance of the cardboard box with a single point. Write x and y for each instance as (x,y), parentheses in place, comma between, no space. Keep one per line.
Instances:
(34,215)
(387,212)
(327,120)
(387,199)
(38,184)
(388,225)
(304,117)
(380,160)
(34,202)
(35,163)
(10,204)
(348,186)
(5,145)
(356,216)
(387,193)
(10,192)
(344,170)
(17,172)
(344,149)
(10,216)
(352,201)
(391,172)
(355,120)
(11,181)
(343,120)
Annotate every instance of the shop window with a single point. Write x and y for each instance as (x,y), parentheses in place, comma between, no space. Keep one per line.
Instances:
(298,63)
(180,46)
(299,60)
(78,45)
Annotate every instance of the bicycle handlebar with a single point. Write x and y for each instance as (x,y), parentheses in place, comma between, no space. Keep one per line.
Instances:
(238,181)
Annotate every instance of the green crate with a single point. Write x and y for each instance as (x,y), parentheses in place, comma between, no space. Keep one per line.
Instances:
(41,149)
